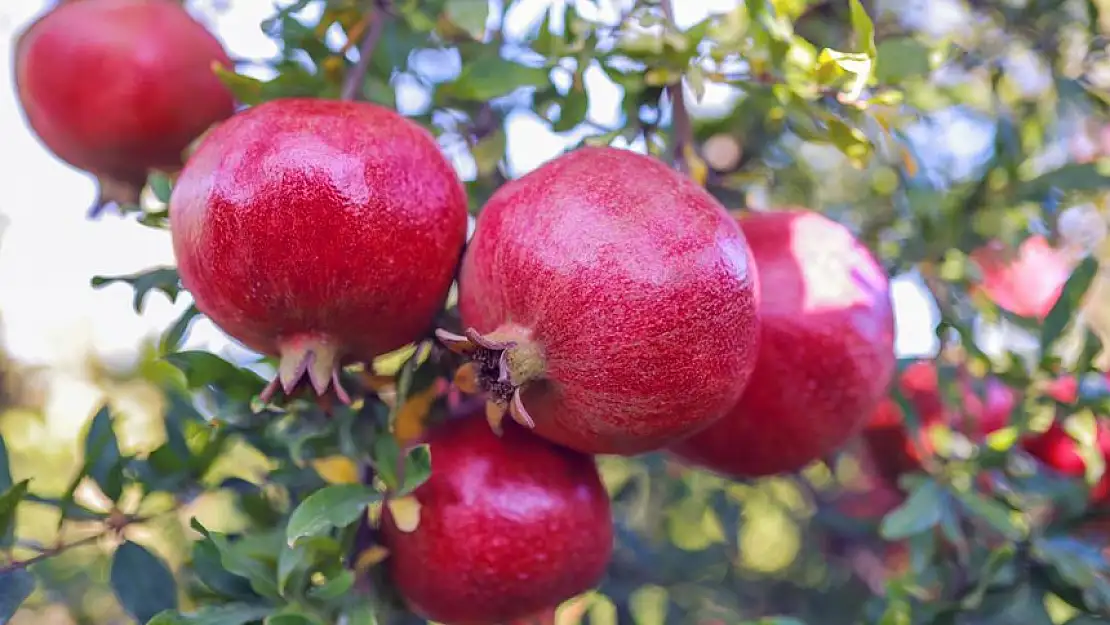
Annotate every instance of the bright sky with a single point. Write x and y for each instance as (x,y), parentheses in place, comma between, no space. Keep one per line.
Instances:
(51,315)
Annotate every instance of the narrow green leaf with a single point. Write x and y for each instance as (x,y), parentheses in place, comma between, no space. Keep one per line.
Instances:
(492,77)
(417,469)
(1071,297)
(5,467)
(900,58)
(469,15)
(995,514)
(15,587)
(293,617)
(328,508)
(171,339)
(202,369)
(143,583)
(335,587)
(572,110)
(248,90)
(237,559)
(920,512)
(164,279)
(9,501)
(864,29)
(102,454)
(161,186)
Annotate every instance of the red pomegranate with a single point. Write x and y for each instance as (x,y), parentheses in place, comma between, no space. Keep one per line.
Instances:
(1058,451)
(826,352)
(118,87)
(1026,284)
(320,231)
(983,411)
(610,303)
(509,527)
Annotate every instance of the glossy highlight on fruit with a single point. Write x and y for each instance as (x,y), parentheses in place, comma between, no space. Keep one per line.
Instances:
(608,302)
(319,231)
(826,353)
(509,526)
(118,87)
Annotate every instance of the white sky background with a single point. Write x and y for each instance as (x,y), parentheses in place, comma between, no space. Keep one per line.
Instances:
(52,316)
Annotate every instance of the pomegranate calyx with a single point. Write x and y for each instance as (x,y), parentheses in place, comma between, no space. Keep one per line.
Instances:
(114,191)
(502,363)
(307,360)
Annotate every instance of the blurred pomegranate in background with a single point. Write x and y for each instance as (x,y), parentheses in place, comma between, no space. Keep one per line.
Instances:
(1027,283)
(119,87)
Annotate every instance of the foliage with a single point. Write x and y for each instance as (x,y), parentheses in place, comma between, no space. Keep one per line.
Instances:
(826,104)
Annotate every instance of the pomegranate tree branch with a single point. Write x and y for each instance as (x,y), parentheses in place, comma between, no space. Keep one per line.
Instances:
(681,129)
(352,86)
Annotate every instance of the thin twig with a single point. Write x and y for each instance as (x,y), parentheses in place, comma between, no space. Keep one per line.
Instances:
(54,551)
(681,128)
(352,86)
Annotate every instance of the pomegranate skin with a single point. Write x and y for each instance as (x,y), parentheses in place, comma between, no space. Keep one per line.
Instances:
(1058,451)
(631,289)
(118,87)
(318,230)
(509,526)
(826,353)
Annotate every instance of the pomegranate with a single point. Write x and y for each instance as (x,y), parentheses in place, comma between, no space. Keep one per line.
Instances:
(1058,451)
(610,303)
(1026,284)
(509,527)
(319,231)
(826,352)
(118,87)
(887,439)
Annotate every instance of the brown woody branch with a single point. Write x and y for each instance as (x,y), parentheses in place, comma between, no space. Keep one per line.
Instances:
(352,86)
(681,129)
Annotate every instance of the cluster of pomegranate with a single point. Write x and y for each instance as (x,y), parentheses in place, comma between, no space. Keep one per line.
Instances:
(608,304)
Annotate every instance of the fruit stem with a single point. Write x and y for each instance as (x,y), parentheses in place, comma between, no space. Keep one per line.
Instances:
(314,357)
(119,192)
(502,363)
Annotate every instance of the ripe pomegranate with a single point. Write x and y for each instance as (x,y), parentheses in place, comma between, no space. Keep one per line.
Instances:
(887,439)
(118,87)
(1058,451)
(1026,284)
(509,527)
(320,231)
(610,303)
(826,352)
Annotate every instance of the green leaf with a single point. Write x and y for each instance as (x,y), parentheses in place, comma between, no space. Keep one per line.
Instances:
(171,339)
(417,469)
(1080,565)
(995,514)
(1071,178)
(202,369)
(143,584)
(9,501)
(492,77)
(1071,297)
(335,587)
(469,15)
(248,90)
(207,565)
(238,559)
(328,508)
(234,614)
(920,512)
(572,110)
(5,467)
(293,616)
(15,587)
(900,58)
(102,455)
(164,279)
(864,29)
(161,186)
